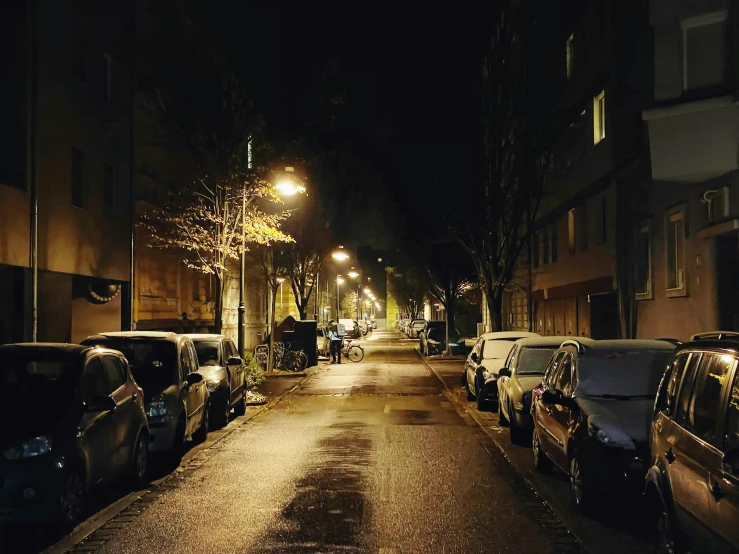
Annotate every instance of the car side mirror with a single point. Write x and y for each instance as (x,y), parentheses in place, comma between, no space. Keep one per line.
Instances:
(100,404)
(473,357)
(731,462)
(504,372)
(193,378)
(554,396)
(234,360)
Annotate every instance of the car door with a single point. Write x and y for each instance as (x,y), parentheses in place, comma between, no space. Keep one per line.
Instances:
(686,456)
(97,429)
(126,412)
(545,415)
(504,382)
(471,365)
(192,392)
(235,372)
(202,387)
(559,422)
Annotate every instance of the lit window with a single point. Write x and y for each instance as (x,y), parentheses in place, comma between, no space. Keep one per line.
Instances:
(675,255)
(599,117)
(704,50)
(571,230)
(643,261)
(582,224)
(570,53)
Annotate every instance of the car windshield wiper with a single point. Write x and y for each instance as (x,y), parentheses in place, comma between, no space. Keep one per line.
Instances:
(623,396)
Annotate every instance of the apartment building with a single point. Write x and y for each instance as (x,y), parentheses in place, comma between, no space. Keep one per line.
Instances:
(582,237)
(65,153)
(688,271)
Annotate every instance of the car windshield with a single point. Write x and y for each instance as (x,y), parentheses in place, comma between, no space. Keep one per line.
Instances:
(209,352)
(153,363)
(533,361)
(35,379)
(622,375)
(319,332)
(437,335)
(497,348)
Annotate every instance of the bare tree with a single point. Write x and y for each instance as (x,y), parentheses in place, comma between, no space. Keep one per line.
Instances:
(517,139)
(408,287)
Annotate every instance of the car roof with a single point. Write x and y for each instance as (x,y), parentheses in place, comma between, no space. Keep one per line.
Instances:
(593,347)
(508,335)
(159,335)
(534,342)
(205,336)
(64,351)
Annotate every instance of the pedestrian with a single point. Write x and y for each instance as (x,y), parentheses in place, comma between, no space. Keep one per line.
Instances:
(335,338)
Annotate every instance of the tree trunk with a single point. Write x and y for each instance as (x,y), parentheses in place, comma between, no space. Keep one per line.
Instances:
(495,306)
(450,306)
(218,323)
(271,357)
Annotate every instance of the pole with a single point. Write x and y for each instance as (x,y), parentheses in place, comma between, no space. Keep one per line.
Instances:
(241,332)
(338,309)
(317,290)
(271,357)
(32,175)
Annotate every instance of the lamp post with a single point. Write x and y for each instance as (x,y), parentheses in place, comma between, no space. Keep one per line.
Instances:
(358,276)
(339,281)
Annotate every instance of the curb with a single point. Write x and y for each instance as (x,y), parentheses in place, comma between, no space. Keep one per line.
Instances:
(107,522)
(563,538)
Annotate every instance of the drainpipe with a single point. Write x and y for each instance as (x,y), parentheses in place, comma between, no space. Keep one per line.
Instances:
(33,101)
(129,317)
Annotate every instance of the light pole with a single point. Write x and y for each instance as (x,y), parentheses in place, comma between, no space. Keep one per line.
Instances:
(339,281)
(358,276)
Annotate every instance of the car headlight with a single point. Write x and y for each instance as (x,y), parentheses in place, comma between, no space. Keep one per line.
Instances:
(29,448)
(157,408)
(212,386)
(599,434)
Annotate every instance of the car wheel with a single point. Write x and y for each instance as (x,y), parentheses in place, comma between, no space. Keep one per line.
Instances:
(541,461)
(240,408)
(201,434)
(482,404)
(579,484)
(502,419)
(140,460)
(665,542)
(470,394)
(72,499)
(519,435)
(222,415)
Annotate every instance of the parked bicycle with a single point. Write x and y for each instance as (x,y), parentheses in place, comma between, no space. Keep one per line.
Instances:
(284,357)
(354,352)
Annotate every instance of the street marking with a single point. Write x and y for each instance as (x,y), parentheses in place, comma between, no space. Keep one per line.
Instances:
(387,408)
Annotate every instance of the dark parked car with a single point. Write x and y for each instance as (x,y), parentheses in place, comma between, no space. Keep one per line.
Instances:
(591,413)
(433,341)
(166,367)
(693,482)
(74,418)
(223,370)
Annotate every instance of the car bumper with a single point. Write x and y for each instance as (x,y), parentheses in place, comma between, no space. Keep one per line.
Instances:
(615,470)
(489,390)
(30,489)
(162,434)
(523,419)
(218,398)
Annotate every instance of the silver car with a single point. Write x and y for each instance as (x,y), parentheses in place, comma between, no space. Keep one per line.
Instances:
(165,365)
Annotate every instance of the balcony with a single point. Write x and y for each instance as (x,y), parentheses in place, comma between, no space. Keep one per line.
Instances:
(694,141)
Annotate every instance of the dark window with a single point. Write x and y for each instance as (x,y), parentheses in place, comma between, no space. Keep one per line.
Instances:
(642,265)
(185,361)
(553,370)
(535,253)
(79,51)
(582,223)
(731,435)
(13,31)
(564,379)
(545,244)
(114,371)
(231,348)
(78,178)
(555,243)
(706,397)
(603,231)
(510,361)
(208,352)
(94,384)
(111,189)
(686,388)
(672,383)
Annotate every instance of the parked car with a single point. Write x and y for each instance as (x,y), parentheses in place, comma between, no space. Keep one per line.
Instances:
(322,343)
(415,326)
(522,371)
(224,373)
(432,325)
(693,482)
(363,327)
(350,327)
(166,366)
(74,418)
(433,341)
(480,375)
(591,413)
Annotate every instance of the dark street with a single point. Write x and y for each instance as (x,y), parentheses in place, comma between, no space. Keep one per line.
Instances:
(367,457)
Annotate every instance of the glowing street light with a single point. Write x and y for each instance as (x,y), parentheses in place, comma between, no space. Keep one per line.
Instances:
(340,255)
(367,291)
(288,187)
(353,274)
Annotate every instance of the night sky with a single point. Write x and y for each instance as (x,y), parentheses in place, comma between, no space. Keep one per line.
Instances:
(407,74)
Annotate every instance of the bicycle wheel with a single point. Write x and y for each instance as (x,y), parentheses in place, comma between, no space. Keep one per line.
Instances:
(355,353)
(291,361)
(302,356)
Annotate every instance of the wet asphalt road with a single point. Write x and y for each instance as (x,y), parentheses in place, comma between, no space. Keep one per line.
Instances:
(366,457)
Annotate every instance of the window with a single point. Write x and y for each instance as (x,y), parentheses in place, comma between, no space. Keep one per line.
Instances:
(111,189)
(555,244)
(570,54)
(564,379)
(673,382)
(582,225)
(94,384)
(553,371)
(571,230)
(704,403)
(78,178)
(704,50)
(79,51)
(731,435)
(114,371)
(686,388)
(185,362)
(599,117)
(643,261)
(510,361)
(674,243)
(230,350)
(545,243)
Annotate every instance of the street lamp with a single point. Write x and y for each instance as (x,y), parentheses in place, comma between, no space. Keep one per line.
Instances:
(340,256)
(354,274)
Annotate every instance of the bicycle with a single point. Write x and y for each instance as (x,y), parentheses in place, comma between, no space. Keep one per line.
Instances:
(353,351)
(284,357)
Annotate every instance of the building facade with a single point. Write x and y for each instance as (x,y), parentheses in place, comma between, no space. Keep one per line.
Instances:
(65,155)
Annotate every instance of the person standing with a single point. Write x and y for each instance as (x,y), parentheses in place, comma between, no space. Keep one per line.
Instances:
(335,345)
